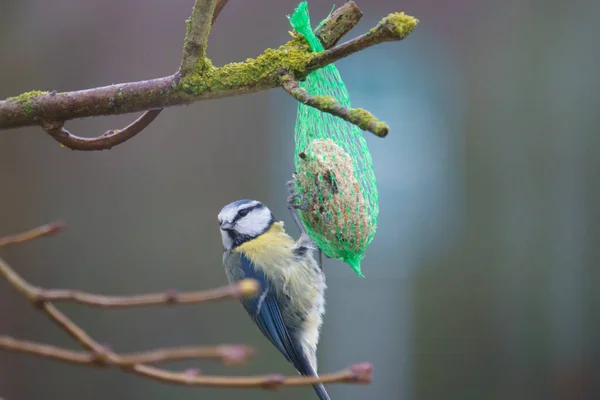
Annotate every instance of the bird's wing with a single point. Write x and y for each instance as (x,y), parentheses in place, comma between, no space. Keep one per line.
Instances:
(265,311)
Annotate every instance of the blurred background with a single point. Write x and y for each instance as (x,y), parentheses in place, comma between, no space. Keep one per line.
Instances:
(480,280)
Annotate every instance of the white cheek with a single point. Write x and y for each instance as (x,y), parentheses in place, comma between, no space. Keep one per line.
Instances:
(227,243)
(247,226)
(255,223)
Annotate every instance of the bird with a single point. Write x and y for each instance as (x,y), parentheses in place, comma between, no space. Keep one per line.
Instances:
(290,303)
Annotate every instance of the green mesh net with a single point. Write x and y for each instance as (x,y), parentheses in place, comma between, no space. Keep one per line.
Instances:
(334,170)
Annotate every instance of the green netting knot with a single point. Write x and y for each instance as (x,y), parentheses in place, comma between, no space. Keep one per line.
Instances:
(334,170)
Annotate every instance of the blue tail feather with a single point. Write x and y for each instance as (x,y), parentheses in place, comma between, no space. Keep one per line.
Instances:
(321,392)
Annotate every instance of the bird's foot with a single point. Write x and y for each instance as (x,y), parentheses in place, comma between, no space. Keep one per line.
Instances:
(293,206)
(293,197)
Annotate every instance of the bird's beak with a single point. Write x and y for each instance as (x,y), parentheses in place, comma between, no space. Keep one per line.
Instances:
(226,226)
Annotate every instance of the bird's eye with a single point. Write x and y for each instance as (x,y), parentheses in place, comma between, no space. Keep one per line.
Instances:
(243,213)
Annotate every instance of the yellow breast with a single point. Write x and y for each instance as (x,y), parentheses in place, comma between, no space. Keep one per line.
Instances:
(272,253)
(272,247)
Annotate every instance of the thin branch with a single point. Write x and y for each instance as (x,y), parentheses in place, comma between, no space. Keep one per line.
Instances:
(108,140)
(225,353)
(244,288)
(44,230)
(196,38)
(36,108)
(358,373)
(46,351)
(71,328)
(228,354)
(394,27)
(357,116)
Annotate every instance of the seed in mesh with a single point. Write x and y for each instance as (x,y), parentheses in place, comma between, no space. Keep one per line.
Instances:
(337,211)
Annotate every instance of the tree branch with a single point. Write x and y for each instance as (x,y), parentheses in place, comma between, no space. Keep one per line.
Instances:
(245,288)
(357,116)
(358,373)
(107,141)
(394,27)
(73,330)
(196,38)
(47,351)
(137,363)
(227,354)
(44,230)
(205,81)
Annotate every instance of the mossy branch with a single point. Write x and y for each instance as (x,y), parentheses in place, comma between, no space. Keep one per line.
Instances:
(99,355)
(202,82)
(357,116)
(196,38)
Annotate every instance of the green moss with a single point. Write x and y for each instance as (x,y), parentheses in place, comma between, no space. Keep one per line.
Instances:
(188,26)
(293,56)
(26,97)
(325,103)
(400,24)
(403,24)
(365,119)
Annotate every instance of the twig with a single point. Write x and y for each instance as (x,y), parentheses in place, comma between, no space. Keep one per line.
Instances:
(237,291)
(244,288)
(227,354)
(394,27)
(36,108)
(44,230)
(107,141)
(47,351)
(71,328)
(196,38)
(358,373)
(357,116)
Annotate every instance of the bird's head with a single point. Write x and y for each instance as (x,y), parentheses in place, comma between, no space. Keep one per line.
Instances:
(243,220)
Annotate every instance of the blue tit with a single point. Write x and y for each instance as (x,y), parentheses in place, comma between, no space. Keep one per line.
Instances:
(291,301)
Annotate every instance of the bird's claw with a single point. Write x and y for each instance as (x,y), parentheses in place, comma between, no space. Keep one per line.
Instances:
(293,207)
(293,197)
